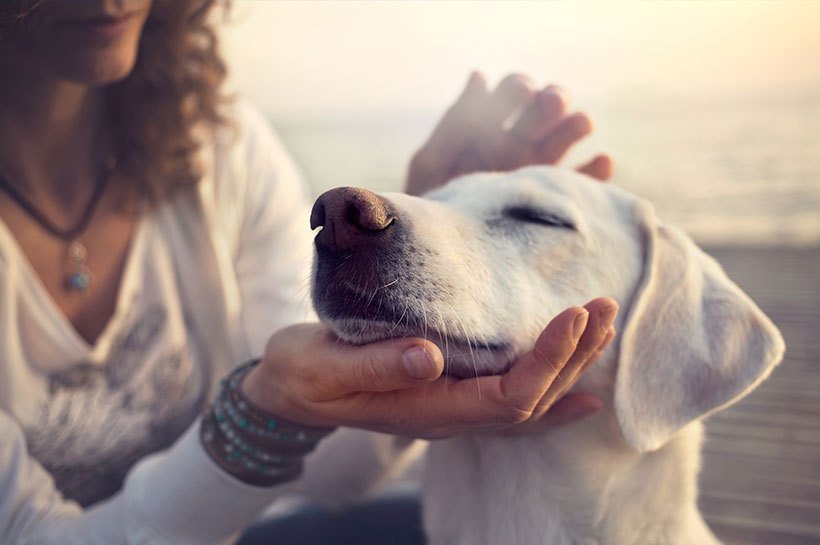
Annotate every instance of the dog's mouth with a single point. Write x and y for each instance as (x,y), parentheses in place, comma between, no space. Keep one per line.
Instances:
(359,318)
(464,357)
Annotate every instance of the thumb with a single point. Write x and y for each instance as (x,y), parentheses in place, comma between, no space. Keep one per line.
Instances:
(390,365)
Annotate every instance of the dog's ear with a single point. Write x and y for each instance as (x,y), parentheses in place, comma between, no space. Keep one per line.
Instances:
(692,343)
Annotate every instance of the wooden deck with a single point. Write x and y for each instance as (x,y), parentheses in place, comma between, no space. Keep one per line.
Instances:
(760,482)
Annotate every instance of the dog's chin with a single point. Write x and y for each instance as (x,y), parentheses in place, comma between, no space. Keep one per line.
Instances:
(463,358)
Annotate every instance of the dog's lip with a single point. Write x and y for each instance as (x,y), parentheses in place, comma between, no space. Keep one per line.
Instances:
(380,330)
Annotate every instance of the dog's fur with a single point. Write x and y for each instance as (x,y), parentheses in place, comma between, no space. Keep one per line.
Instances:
(479,267)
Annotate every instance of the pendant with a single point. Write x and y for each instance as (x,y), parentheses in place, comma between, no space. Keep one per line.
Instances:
(80,279)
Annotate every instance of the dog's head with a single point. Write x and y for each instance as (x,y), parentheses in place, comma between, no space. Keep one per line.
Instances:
(481,265)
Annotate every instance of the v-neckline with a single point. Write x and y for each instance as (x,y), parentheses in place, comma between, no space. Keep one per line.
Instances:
(97,351)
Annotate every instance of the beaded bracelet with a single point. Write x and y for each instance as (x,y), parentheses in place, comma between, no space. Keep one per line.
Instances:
(250,444)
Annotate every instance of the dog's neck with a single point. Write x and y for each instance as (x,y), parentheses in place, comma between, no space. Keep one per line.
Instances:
(578,484)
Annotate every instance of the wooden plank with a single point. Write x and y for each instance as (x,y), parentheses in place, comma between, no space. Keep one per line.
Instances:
(760,483)
(799,518)
(751,429)
(718,482)
(750,532)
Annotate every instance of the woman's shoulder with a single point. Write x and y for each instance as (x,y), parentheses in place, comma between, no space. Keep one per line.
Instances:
(246,157)
(247,143)
(249,172)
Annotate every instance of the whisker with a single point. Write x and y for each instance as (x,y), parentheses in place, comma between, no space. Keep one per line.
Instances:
(403,314)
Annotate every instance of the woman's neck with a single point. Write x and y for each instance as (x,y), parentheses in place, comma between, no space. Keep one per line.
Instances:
(51,132)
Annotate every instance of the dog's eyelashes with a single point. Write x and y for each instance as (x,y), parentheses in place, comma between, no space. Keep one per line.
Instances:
(534,215)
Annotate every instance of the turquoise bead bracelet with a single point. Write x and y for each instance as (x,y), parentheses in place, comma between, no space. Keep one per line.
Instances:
(232,459)
(252,445)
(273,427)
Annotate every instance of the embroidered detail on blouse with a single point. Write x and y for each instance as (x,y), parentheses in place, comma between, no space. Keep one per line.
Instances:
(99,420)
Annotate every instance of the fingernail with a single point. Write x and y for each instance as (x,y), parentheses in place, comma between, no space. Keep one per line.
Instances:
(418,363)
(607,316)
(580,325)
(608,339)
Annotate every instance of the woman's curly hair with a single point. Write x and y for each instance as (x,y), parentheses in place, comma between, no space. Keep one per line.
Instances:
(172,94)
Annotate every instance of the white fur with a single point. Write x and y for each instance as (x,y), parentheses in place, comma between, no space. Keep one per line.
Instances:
(690,343)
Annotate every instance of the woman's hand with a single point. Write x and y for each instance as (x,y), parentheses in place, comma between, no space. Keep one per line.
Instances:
(395,386)
(473,135)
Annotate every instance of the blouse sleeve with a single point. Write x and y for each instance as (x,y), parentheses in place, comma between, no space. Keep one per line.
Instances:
(177,497)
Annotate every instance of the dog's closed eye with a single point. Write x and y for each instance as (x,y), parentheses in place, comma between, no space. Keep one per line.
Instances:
(530,214)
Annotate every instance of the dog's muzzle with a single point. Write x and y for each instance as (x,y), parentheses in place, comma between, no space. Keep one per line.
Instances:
(370,284)
(359,249)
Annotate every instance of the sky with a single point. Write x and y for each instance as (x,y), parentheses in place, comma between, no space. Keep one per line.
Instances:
(320,58)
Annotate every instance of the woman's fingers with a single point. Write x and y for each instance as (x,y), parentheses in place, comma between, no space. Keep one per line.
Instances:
(610,334)
(602,313)
(513,92)
(599,167)
(446,406)
(437,160)
(455,126)
(472,136)
(534,383)
(488,146)
(540,117)
(332,369)
(396,385)
(533,374)
(476,108)
(569,131)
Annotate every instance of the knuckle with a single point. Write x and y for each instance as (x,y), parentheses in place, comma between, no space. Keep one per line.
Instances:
(371,372)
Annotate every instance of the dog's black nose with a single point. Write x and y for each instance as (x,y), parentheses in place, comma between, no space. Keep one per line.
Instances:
(349,217)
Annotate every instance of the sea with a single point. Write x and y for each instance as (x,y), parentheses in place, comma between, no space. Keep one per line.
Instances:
(729,172)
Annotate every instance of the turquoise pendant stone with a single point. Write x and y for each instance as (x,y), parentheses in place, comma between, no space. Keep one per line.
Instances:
(79,281)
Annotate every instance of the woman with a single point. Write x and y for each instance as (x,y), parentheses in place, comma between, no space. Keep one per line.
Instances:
(154,237)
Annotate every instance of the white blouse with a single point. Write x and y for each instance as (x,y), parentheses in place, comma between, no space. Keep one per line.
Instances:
(209,276)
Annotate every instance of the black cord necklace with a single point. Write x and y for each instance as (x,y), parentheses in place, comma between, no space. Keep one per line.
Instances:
(80,277)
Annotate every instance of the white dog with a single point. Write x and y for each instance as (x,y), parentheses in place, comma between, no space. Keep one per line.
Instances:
(479,267)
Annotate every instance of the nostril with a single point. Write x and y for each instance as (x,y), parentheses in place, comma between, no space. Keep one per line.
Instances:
(353,215)
(317,215)
(367,216)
